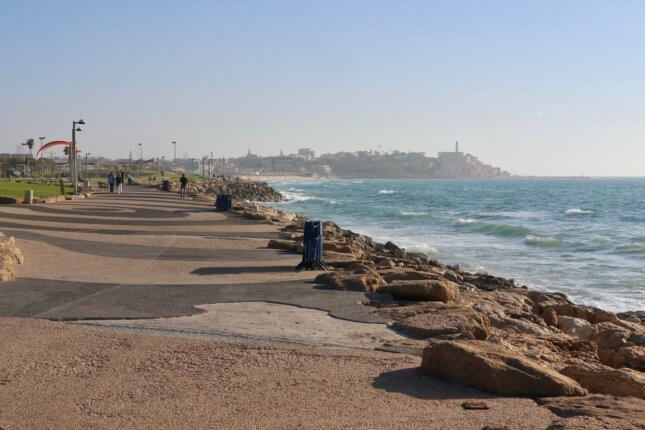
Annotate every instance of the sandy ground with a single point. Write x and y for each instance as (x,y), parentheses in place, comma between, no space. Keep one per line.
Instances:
(53,375)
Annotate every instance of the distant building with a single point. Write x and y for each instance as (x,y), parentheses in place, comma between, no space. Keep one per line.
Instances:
(307,153)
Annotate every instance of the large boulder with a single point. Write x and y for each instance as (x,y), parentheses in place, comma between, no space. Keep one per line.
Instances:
(576,327)
(401,274)
(445,322)
(432,290)
(10,255)
(351,281)
(606,380)
(490,367)
(620,347)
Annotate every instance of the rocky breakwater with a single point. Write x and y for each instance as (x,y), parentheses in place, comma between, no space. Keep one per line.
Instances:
(10,255)
(477,328)
(240,190)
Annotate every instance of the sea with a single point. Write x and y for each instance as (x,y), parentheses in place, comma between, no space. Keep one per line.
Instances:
(582,237)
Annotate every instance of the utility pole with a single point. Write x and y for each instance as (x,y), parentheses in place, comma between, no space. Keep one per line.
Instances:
(140,160)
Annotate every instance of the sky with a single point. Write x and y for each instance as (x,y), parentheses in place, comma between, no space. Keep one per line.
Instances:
(549,87)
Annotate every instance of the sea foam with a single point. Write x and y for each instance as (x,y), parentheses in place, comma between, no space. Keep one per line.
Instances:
(386,191)
(413,213)
(578,211)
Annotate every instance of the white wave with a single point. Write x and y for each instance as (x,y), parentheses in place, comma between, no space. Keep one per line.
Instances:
(541,240)
(466,221)
(403,213)
(291,197)
(422,247)
(578,211)
(386,191)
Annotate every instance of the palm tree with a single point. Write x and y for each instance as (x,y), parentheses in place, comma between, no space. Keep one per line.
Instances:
(29,144)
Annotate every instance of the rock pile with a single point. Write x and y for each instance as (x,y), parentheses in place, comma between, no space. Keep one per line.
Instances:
(10,255)
(527,342)
(239,189)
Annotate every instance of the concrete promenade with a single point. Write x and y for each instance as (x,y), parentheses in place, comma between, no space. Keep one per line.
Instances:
(146,254)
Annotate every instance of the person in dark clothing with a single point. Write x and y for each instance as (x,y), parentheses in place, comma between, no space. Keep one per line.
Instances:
(111,180)
(122,176)
(119,183)
(184,181)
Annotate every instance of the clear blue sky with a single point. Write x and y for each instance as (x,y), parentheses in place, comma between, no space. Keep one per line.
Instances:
(536,87)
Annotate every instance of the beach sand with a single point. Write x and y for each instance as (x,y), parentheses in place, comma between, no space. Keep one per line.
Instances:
(53,375)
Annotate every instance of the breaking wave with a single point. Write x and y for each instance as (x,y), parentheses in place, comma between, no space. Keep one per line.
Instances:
(386,191)
(413,213)
(578,211)
(535,240)
(292,197)
(504,230)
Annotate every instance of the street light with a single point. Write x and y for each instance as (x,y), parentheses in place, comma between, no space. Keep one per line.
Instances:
(87,171)
(72,154)
(42,168)
(140,159)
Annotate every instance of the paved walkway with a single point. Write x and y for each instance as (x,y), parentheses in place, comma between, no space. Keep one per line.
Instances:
(147,254)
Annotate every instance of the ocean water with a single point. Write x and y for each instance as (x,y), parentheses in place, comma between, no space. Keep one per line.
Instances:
(582,237)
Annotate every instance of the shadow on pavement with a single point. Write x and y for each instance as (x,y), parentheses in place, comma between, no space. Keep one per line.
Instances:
(241,270)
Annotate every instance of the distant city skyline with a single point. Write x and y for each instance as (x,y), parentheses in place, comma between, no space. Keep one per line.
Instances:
(536,88)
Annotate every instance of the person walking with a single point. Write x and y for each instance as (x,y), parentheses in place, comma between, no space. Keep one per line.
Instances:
(111,180)
(184,181)
(119,182)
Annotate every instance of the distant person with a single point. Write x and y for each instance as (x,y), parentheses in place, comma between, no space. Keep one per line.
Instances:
(184,181)
(111,181)
(122,181)
(119,182)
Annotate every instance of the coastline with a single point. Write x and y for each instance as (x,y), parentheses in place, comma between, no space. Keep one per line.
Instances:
(440,304)
(583,239)
(247,256)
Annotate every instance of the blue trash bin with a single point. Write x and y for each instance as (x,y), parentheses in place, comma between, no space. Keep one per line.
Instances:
(223,202)
(312,254)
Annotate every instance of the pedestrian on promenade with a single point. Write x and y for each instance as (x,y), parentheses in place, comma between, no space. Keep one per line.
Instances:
(184,181)
(111,180)
(119,182)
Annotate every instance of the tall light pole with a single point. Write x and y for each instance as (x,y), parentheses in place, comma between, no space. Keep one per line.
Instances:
(87,171)
(140,159)
(72,155)
(42,168)
(174,145)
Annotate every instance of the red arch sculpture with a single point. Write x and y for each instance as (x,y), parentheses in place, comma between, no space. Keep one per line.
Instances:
(53,143)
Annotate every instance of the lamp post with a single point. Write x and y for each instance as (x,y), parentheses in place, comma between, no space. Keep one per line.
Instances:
(72,155)
(42,167)
(140,159)
(87,171)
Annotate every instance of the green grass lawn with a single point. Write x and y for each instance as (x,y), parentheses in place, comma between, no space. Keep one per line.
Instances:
(17,189)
